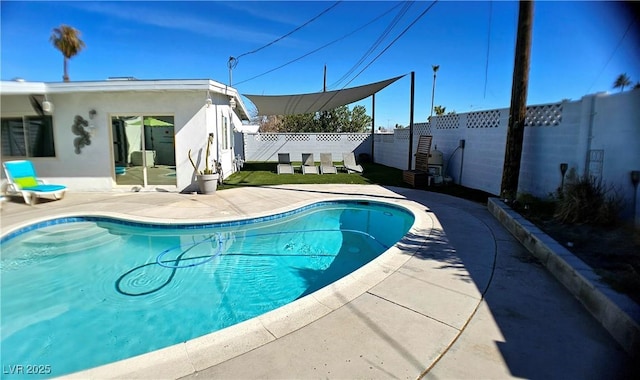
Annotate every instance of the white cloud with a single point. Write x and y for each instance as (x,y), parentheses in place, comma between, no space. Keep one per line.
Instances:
(207,25)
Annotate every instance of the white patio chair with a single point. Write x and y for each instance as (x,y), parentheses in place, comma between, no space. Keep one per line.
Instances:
(308,164)
(326,164)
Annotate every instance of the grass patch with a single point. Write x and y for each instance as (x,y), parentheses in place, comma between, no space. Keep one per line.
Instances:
(264,174)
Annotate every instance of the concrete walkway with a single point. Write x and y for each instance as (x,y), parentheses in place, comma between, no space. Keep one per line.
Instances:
(458,297)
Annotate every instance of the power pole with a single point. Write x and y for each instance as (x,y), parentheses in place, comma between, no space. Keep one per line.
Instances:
(518,108)
(231,64)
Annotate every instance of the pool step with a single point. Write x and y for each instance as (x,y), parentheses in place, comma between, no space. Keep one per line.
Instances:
(72,237)
(63,233)
(123,229)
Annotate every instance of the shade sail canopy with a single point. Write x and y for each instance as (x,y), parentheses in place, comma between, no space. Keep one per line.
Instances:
(315,102)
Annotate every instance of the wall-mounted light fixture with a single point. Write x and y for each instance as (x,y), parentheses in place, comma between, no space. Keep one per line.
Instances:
(47,106)
(208,101)
(635,179)
(92,127)
(232,103)
(563,171)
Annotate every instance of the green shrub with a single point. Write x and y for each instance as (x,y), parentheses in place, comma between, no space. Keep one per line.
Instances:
(587,200)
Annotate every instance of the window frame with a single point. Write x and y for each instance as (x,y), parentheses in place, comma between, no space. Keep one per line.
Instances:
(28,140)
(225,133)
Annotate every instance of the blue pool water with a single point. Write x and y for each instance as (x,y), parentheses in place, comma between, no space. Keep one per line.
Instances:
(85,291)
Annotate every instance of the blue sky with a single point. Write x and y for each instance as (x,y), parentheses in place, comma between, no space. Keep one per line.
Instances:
(578,47)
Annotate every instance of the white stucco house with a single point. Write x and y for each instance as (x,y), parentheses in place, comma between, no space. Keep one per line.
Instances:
(120,133)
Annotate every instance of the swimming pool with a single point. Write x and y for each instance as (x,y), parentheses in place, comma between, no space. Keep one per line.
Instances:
(83,291)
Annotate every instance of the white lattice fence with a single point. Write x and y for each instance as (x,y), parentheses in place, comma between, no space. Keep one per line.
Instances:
(450,121)
(297,137)
(401,134)
(484,119)
(265,147)
(544,115)
(421,129)
(327,137)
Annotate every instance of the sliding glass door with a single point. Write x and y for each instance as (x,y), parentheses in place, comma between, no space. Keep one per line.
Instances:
(144,150)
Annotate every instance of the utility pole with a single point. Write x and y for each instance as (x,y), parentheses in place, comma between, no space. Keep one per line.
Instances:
(518,108)
(231,64)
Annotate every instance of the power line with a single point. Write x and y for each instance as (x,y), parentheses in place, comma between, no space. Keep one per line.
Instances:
(612,54)
(385,49)
(321,47)
(235,59)
(377,43)
(394,41)
(486,65)
(370,63)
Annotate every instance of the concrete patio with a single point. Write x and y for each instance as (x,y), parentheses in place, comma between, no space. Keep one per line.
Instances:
(458,297)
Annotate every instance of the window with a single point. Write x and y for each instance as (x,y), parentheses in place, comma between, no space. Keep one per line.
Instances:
(225,133)
(29,136)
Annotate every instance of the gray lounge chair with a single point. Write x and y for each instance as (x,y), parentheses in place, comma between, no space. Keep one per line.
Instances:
(308,164)
(349,161)
(284,164)
(326,164)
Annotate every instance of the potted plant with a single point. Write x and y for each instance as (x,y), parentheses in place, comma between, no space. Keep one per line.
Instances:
(208,177)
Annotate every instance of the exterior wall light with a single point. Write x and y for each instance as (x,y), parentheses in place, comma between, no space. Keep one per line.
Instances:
(47,106)
(208,101)
(92,126)
(563,170)
(232,103)
(635,179)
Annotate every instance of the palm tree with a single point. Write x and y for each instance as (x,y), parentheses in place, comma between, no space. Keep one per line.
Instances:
(67,39)
(439,110)
(621,81)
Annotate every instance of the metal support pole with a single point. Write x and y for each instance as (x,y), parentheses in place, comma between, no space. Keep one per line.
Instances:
(373,126)
(413,77)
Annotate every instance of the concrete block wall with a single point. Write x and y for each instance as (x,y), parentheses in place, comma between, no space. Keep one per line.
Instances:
(392,149)
(579,133)
(597,135)
(616,133)
(546,147)
(607,125)
(266,146)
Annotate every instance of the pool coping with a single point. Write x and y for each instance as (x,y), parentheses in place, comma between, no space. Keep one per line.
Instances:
(197,354)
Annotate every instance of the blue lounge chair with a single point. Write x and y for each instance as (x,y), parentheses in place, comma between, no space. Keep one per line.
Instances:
(22,180)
